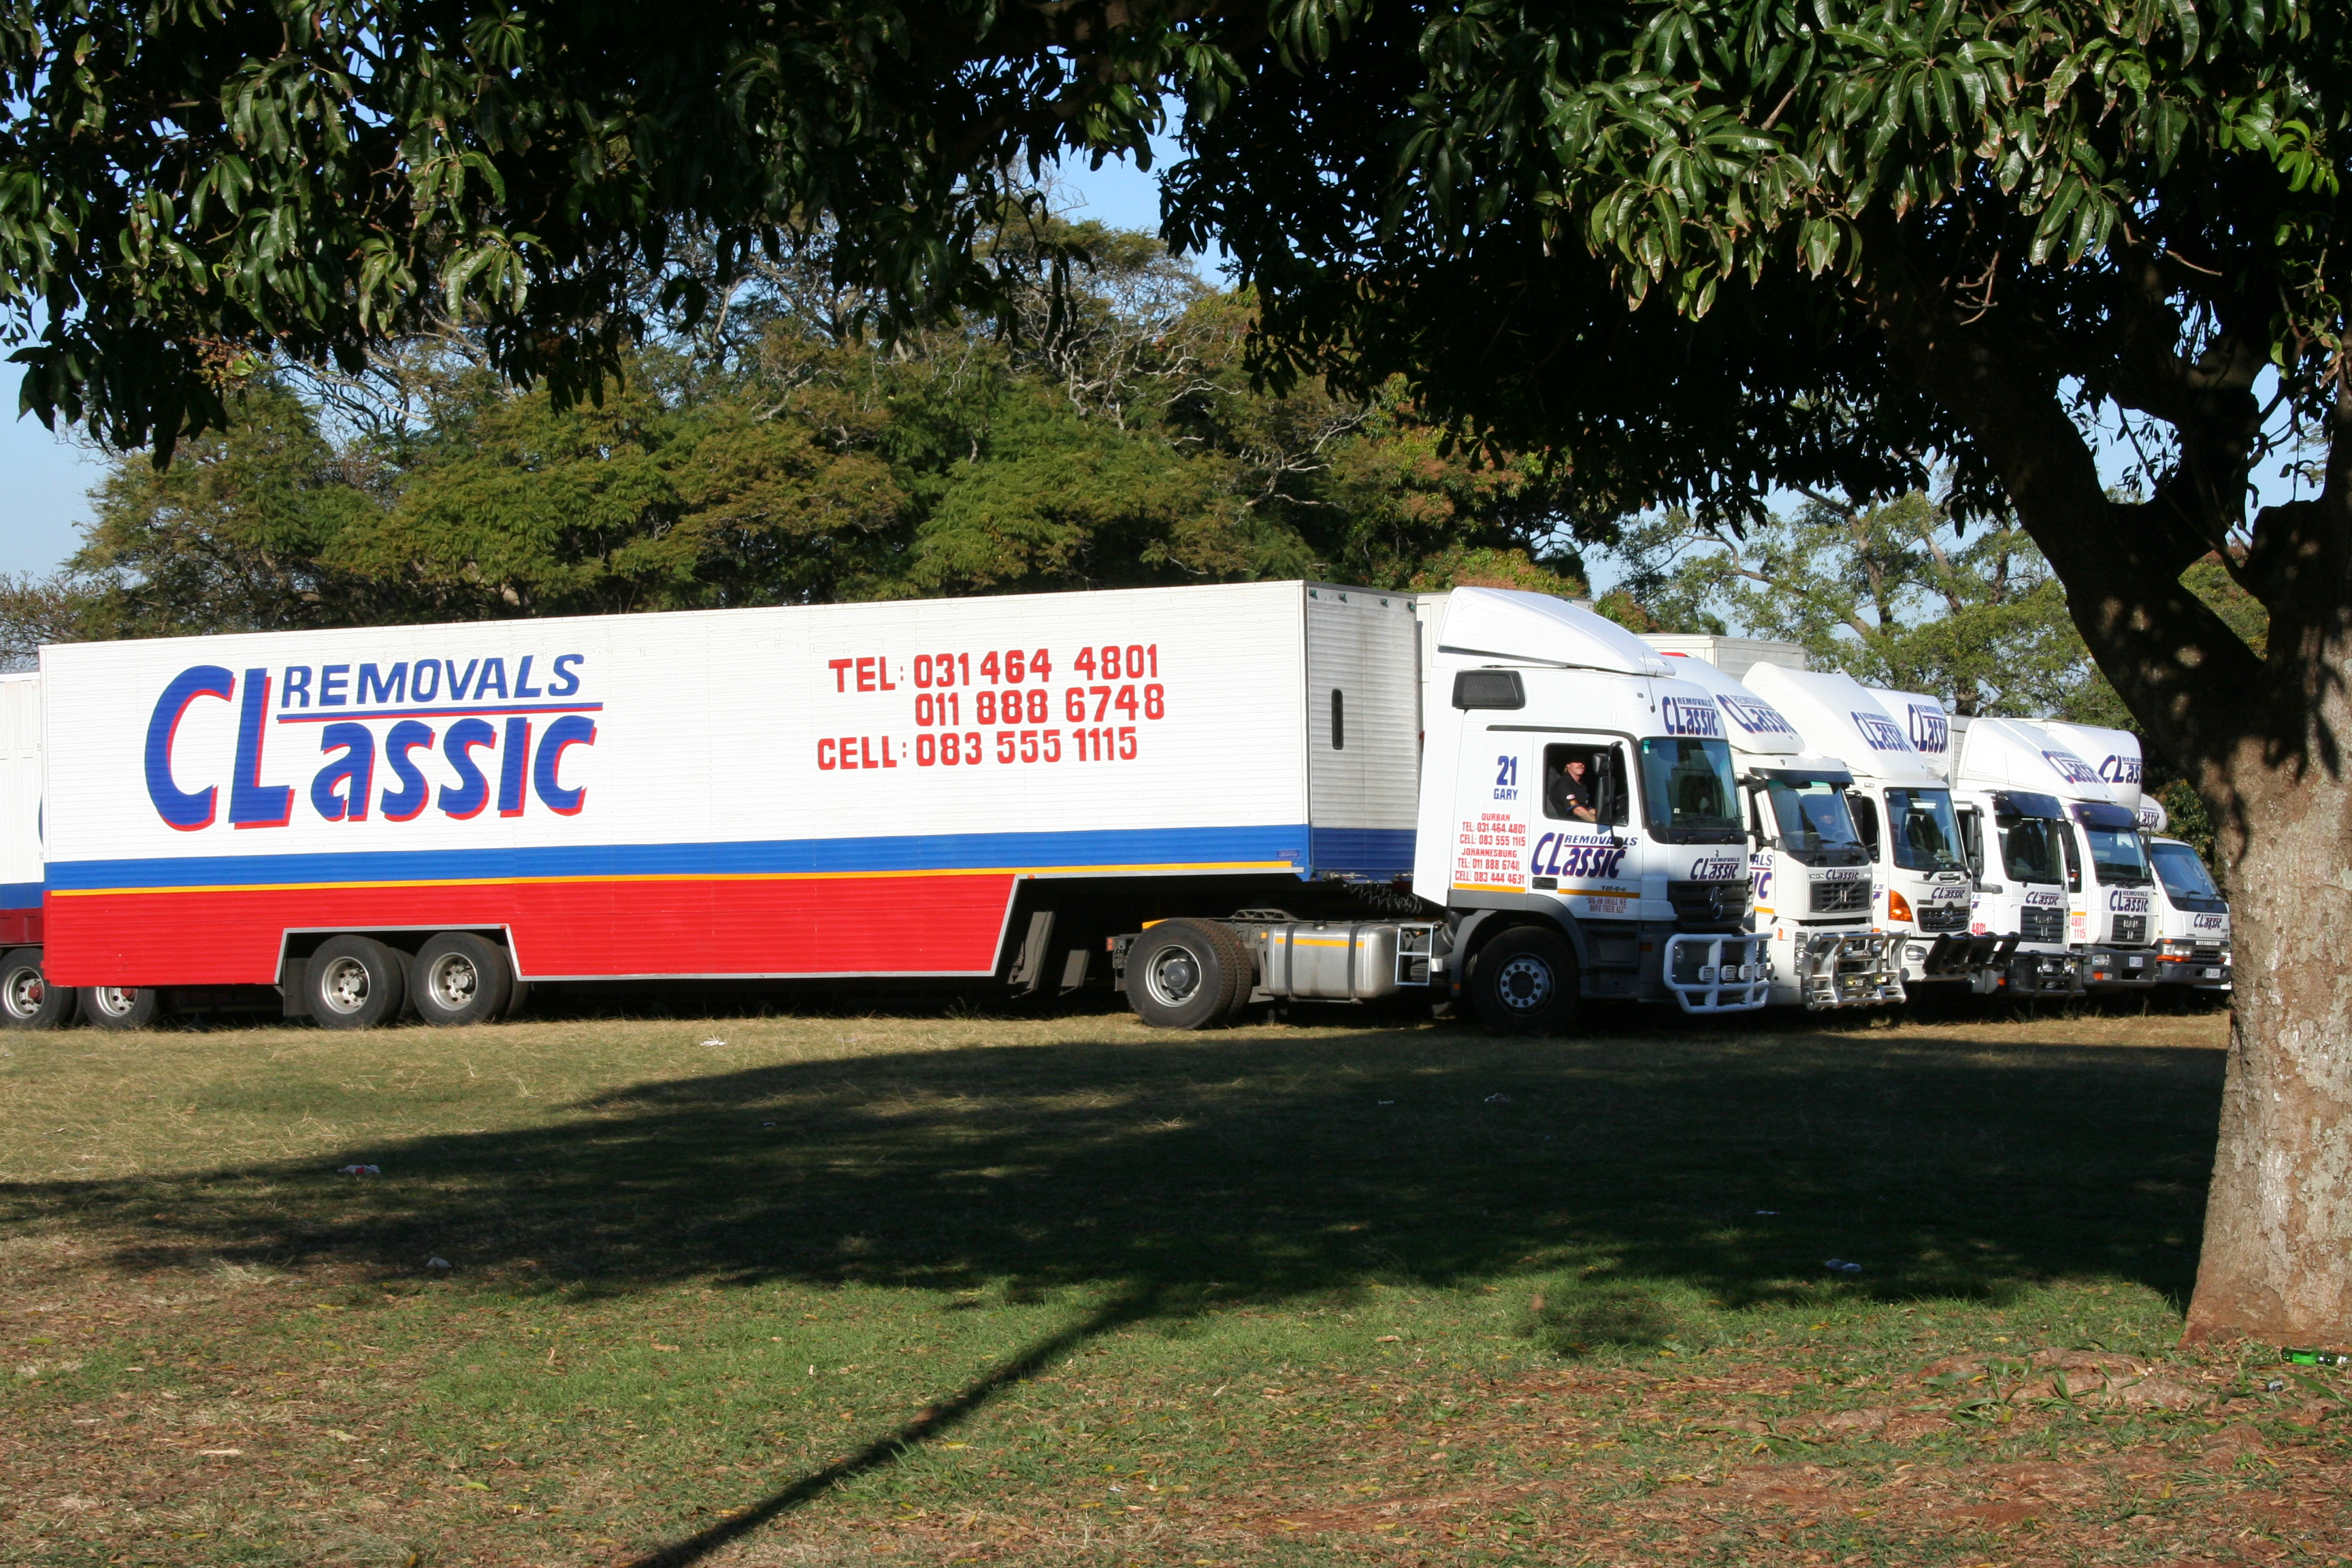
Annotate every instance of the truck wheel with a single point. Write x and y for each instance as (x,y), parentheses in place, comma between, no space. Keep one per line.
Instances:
(459,978)
(123,1006)
(353,982)
(1524,981)
(28,1001)
(1241,971)
(1179,975)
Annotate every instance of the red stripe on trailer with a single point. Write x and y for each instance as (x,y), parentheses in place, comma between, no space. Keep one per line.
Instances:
(20,927)
(893,925)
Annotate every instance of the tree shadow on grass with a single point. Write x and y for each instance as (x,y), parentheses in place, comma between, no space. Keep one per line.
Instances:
(1213,1167)
(1167,1176)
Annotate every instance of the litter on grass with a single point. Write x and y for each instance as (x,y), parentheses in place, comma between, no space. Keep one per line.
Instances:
(1840,1265)
(439,1263)
(358,1170)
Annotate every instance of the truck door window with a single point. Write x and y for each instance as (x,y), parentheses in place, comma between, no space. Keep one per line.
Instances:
(2074,857)
(1971,842)
(1578,794)
(1865,819)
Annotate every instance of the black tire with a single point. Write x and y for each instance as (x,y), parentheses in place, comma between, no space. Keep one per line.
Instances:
(28,1001)
(518,998)
(123,1006)
(1180,974)
(459,978)
(1241,971)
(1524,981)
(353,982)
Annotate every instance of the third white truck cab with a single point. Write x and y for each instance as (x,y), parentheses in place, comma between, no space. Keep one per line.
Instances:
(1808,859)
(1904,808)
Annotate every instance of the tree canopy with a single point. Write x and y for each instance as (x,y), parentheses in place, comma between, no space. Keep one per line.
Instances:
(781,457)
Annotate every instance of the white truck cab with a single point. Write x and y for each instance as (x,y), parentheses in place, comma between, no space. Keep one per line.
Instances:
(1808,859)
(2193,930)
(1904,808)
(1580,815)
(2096,857)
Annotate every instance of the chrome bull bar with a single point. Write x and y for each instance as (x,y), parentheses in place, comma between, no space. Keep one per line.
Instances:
(1726,974)
(1849,969)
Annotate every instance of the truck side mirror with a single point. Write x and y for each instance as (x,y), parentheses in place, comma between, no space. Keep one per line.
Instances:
(1608,792)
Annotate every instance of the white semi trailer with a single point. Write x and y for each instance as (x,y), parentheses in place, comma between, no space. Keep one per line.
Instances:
(1808,856)
(1208,796)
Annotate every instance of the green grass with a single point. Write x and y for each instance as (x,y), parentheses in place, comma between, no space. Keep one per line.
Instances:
(1066,1290)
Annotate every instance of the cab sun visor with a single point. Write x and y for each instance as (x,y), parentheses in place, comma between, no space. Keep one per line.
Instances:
(2012,803)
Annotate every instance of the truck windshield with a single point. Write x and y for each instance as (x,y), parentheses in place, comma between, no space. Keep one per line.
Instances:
(2030,850)
(2184,876)
(1816,826)
(1924,833)
(1689,793)
(2118,858)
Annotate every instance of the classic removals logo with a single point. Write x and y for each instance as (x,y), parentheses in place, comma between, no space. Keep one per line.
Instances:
(378,713)
(1691,716)
(1931,730)
(2072,768)
(1879,733)
(1755,716)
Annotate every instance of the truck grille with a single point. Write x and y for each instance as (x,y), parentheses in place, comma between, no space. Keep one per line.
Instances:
(2038,923)
(1708,904)
(1840,898)
(1943,917)
(2131,930)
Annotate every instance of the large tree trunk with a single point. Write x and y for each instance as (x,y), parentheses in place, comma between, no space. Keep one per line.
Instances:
(2277,1258)
(2268,739)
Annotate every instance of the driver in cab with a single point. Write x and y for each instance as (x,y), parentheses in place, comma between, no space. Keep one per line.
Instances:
(1572,794)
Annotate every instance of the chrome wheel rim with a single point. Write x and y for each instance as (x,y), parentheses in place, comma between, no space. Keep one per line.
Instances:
(1174,976)
(23,994)
(1524,983)
(115,1001)
(344,985)
(453,981)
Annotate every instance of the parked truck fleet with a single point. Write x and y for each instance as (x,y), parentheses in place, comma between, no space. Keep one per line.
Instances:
(1208,797)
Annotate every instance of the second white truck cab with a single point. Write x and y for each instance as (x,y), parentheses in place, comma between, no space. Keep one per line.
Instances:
(1808,859)
(1904,808)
